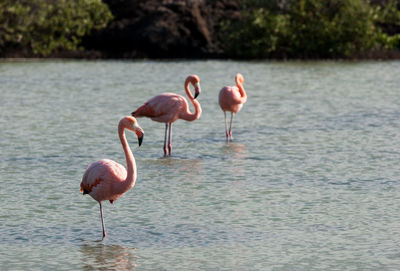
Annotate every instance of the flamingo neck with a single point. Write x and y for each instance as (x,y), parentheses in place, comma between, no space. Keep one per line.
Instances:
(187,89)
(242,92)
(187,115)
(130,161)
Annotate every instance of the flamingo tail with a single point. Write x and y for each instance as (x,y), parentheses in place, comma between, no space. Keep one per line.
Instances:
(144,111)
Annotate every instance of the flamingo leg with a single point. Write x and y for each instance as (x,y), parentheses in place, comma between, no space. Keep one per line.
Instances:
(165,139)
(170,139)
(226,128)
(230,127)
(102,220)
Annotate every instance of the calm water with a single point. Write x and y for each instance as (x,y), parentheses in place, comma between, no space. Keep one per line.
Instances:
(311,181)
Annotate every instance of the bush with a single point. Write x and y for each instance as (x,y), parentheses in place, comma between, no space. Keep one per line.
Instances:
(44,26)
(310,29)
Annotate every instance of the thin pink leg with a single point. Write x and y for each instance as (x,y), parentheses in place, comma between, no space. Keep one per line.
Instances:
(230,127)
(170,139)
(102,220)
(226,128)
(165,140)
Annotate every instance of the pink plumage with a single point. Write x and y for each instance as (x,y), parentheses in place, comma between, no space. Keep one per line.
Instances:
(100,177)
(108,180)
(169,107)
(232,98)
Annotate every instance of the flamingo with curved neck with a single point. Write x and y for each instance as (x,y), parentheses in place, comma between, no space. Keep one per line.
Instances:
(231,99)
(108,180)
(169,107)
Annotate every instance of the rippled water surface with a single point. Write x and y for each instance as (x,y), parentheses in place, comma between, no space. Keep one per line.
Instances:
(311,181)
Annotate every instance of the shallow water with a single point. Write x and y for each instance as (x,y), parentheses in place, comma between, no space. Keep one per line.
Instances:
(311,181)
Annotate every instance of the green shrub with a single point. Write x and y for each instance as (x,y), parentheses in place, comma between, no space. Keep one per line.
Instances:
(310,29)
(44,26)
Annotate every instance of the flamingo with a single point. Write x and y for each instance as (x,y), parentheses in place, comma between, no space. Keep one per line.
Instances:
(108,180)
(231,99)
(169,107)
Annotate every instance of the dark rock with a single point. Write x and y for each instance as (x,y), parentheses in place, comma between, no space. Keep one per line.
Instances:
(163,28)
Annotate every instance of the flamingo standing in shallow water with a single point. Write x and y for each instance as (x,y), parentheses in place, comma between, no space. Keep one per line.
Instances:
(108,180)
(231,99)
(169,107)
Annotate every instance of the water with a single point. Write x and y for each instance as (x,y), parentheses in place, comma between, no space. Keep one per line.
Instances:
(311,181)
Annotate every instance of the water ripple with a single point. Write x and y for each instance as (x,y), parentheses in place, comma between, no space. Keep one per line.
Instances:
(310,181)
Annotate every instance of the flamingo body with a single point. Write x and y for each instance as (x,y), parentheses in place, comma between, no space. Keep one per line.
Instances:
(169,107)
(231,99)
(101,177)
(166,107)
(109,180)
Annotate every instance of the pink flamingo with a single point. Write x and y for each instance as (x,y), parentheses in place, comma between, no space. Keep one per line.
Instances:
(108,180)
(169,107)
(232,99)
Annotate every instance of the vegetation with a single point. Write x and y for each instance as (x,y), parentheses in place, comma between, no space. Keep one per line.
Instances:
(44,26)
(310,28)
(263,28)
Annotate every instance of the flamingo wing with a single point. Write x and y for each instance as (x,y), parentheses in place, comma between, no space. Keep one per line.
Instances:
(99,177)
(163,108)
(146,110)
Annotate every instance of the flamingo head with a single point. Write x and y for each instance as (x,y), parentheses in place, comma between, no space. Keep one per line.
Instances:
(239,78)
(195,80)
(131,124)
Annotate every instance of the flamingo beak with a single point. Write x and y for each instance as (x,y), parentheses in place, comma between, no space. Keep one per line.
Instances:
(140,134)
(140,140)
(197,90)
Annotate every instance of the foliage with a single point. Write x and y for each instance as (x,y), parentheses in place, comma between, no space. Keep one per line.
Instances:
(310,28)
(44,26)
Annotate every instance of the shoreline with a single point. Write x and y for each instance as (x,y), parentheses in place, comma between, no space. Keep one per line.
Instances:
(376,55)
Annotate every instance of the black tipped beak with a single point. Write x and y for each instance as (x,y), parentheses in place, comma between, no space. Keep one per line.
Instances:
(133,113)
(140,140)
(196,94)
